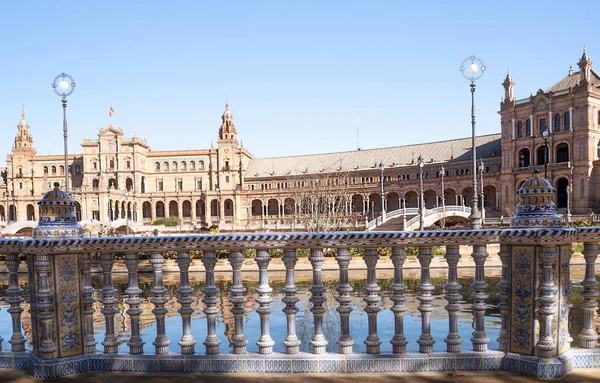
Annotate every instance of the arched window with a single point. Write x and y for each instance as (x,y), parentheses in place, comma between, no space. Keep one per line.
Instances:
(174,166)
(54,170)
(201,165)
(520,129)
(157,166)
(562,152)
(45,170)
(557,122)
(567,120)
(528,128)
(192,165)
(183,166)
(166,166)
(524,159)
(62,170)
(111,164)
(95,184)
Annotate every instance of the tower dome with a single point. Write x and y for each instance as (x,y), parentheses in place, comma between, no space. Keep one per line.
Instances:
(536,207)
(227,115)
(57,215)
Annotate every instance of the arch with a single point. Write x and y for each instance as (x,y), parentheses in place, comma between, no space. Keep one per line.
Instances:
(489,196)
(200,208)
(357,203)
(77,211)
(200,165)
(192,165)
(160,209)
(146,210)
(166,166)
(143,185)
(540,155)
(173,209)
(562,193)
(174,168)
(2,213)
(411,198)
(562,152)
(124,211)
(45,170)
(392,201)
(61,170)
(228,208)
(289,206)
(54,170)
(272,207)
(112,184)
(524,158)
(557,122)
(111,164)
(256,207)
(375,203)
(95,184)
(157,166)
(430,198)
(467,196)
(214,208)
(186,209)
(449,196)
(12,213)
(528,128)
(183,165)
(116,211)
(31,212)
(520,129)
(128,184)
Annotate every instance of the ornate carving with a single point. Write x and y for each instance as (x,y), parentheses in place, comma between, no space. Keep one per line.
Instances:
(504,296)
(210,300)
(546,347)
(318,299)
(372,299)
(88,300)
(291,342)
(109,303)
(588,336)
(45,309)
(345,342)
(14,298)
(398,287)
(479,295)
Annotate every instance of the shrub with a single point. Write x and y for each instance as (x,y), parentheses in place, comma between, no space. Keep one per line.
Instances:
(171,221)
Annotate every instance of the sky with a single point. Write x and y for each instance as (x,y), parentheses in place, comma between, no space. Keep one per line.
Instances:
(298,75)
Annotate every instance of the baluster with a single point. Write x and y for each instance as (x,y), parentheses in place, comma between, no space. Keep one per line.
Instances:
(479,295)
(588,336)
(210,300)
(237,298)
(399,341)
(372,299)
(452,288)
(344,289)
(14,298)
(45,308)
(291,342)
(265,343)
(136,344)
(503,296)
(109,303)
(88,300)
(185,299)
(318,299)
(161,343)
(546,345)
(425,297)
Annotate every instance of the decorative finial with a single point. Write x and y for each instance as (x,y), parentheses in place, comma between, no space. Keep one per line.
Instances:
(56,186)
(570,70)
(584,56)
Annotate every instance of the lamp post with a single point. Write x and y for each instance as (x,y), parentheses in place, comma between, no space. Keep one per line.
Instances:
(545,134)
(443,192)
(381,167)
(421,196)
(472,69)
(63,86)
(481,169)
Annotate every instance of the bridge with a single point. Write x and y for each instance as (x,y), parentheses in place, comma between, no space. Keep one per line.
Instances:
(14,227)
(397,217)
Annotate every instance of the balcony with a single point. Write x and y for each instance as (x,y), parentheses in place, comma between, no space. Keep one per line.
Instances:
(554,165)
(309,338)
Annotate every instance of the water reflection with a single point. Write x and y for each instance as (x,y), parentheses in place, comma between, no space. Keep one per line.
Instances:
(358,318)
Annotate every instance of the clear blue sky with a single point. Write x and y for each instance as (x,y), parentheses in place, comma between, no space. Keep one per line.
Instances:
(297,73)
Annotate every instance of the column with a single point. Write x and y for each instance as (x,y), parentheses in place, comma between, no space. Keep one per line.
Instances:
(14,298)
(237,298)
(588,335)
(186,300)
(425,297)
(153,210)
(291,342)
(513,129)
(44,309)
(88,300)
(317,290)
(398,287)
(161,343)
(133,291)
(546,303)
(372,299)
(532,126)
(503,296)
(550,121)
(109,303)
(452,288)
(265,343)
(193,202)
(210,300)
(571,118)
(344,298)
(479,295)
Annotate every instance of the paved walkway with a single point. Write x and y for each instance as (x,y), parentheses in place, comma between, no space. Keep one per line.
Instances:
(579,376)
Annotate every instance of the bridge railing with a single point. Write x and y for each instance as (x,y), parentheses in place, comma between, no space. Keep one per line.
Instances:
(63,303)
(439,211)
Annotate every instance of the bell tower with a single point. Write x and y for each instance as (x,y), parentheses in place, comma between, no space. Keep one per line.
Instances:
(585,65)
(227,130)
(508,85)
(23,141)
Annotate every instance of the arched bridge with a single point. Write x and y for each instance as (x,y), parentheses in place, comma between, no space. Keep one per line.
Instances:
(431,216)
(13,228)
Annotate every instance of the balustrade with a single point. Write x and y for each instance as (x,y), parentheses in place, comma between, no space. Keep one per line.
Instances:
(550,301)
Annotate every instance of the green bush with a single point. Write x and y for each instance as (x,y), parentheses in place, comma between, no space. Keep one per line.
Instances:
(411,251)
(171,221)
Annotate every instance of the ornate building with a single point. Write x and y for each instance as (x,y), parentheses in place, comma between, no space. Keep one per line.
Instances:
(119,181)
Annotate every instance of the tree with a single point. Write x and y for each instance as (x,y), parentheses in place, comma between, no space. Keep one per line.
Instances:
(322,202)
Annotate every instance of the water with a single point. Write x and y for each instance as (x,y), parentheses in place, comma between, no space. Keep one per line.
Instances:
(304,322)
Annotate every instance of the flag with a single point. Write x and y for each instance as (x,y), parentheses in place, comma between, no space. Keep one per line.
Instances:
(111,112)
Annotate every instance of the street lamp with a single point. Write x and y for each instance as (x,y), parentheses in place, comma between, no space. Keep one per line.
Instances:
(472,69)
(545,134)
(63,86)
(481,169)
(443,193)
(382,195)
(421,197)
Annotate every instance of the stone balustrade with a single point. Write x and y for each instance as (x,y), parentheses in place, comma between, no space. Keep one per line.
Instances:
(533,294)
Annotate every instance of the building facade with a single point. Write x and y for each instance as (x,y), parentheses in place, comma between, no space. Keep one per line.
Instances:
(118,181)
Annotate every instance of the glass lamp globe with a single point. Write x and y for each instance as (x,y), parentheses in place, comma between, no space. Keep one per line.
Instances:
(64,85)
(473,68)
(545,133)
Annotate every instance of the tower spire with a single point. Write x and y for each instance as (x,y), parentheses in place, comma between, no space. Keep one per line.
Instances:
(508,85)
(585,65)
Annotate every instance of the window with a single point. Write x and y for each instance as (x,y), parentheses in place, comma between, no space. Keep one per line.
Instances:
(54,170)
(166,166)
(567,120)
(45,170)
(506,158)
(557,122)
(598,150)
(62,170)
(192,165)
(157,166)
(198,184)
(528,128)
(159,185)
(542,125)
(70,170)
(128,164)
(520,129)
(227,180)
(581,149)
(226,165)
(179,184)
(184,166)
(201,165)
(174,166)
(20,185)
(111,164)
